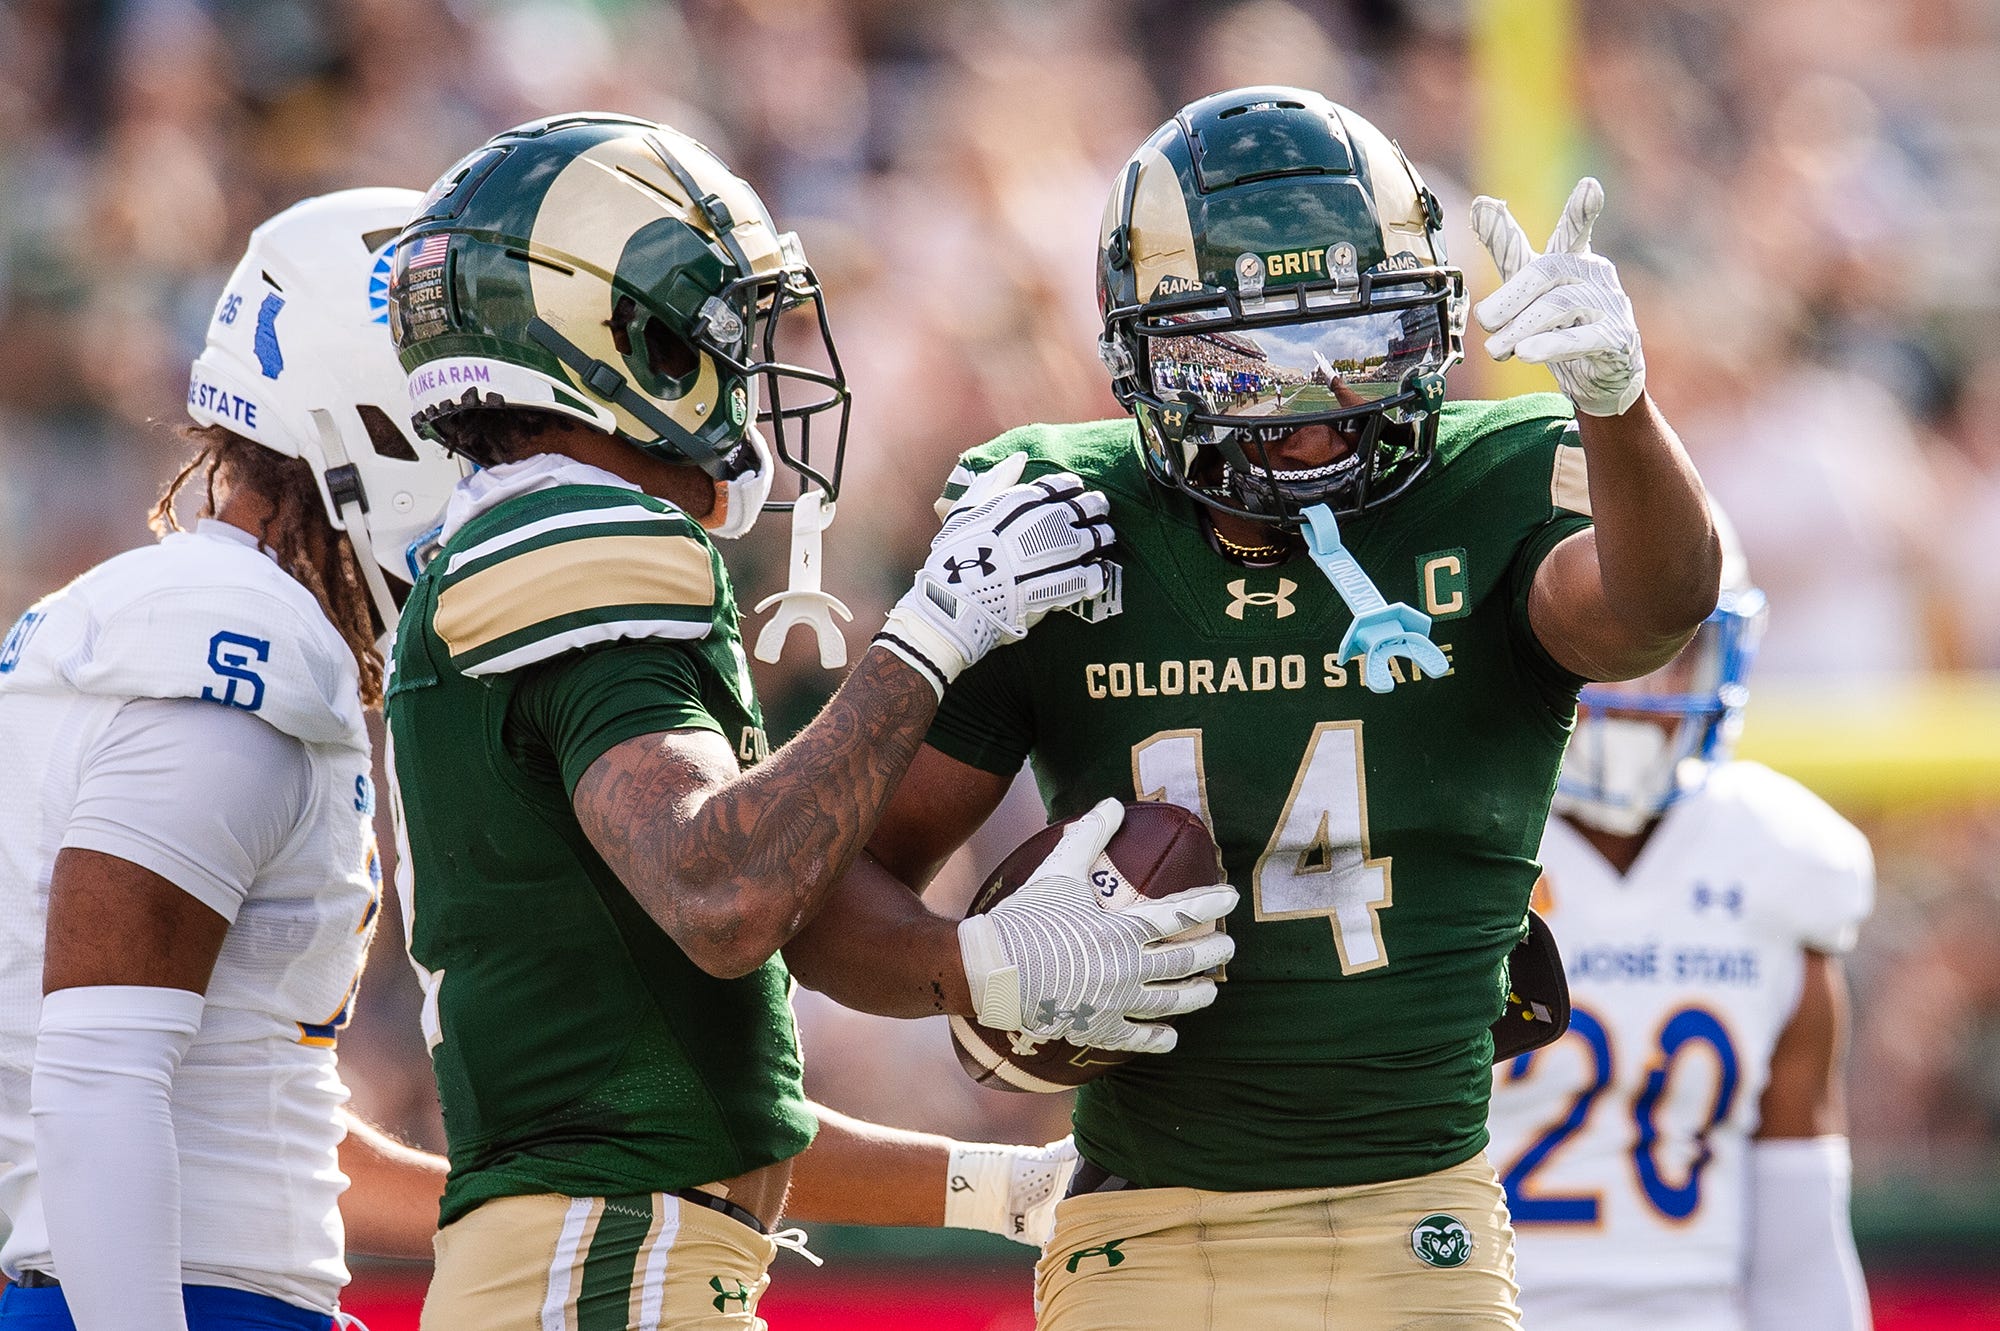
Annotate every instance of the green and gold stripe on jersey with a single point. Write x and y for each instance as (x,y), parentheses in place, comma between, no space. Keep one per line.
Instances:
(608,564)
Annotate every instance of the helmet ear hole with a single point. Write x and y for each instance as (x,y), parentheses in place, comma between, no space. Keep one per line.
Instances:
(667,353)
(384,437)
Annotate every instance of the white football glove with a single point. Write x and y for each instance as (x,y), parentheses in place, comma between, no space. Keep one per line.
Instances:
(1011,1191)
(1564,309)
(1050,961)
(1006,555)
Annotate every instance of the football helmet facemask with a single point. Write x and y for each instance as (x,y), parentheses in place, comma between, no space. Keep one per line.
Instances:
(298,359)
(1644,744)
(1270,260)
(613,270)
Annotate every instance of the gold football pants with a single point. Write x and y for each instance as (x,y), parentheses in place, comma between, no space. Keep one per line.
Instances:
(1420,1254)
(640,1263)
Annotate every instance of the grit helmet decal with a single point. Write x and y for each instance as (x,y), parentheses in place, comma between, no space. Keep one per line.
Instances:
(615,271)
(1643,745)
(1269,260)
(295,359)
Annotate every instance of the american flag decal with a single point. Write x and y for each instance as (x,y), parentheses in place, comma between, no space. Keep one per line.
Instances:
(431,253)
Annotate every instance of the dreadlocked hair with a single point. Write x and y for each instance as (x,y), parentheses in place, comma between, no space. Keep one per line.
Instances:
(295,533)
(490,436)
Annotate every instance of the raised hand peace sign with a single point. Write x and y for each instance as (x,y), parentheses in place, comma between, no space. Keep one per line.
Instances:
(1563,308)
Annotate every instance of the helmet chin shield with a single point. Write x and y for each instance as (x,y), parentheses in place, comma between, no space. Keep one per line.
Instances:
(1619,774)
(740,494)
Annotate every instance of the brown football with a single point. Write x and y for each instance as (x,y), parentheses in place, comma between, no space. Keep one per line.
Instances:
(1158,850)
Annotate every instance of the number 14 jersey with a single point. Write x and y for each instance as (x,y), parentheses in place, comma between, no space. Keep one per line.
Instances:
(1383,843)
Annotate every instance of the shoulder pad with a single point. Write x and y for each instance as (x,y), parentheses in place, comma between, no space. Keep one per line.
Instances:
(1819,864)
(1477,430)
(200,618)
(1104,453)
(568,568)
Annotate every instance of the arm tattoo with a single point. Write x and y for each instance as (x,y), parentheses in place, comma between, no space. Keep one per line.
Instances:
(738,860)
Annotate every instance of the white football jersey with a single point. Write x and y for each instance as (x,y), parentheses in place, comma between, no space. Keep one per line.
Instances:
(203,615)
(1624,1146)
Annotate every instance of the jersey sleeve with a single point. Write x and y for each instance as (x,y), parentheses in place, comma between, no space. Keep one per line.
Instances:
(1833,881)
(214,622)
(202,795)
(1819,867)
(1568,512)
(553,581)
(1841,895)
(987,719)
(586,703)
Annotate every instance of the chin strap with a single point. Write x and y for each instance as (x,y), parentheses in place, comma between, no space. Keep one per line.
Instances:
(343,485)
(1380,630)
(802,601)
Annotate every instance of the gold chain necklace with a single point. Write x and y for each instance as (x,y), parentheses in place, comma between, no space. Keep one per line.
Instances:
(1230,547)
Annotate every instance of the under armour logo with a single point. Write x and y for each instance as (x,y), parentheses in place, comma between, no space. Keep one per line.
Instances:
(1280,600)
(1109,1252)
(1728,899)
(983,562)
(1048,1015)
(724,1296)
(1024,1045)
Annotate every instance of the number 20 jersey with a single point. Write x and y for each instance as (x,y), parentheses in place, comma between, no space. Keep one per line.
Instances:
(1383,843)
(1624,1146)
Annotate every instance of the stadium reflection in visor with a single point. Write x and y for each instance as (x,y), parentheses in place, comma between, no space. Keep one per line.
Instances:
(1309,368)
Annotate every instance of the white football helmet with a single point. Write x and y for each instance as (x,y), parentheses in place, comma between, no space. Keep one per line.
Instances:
(299,359)
(1642,744)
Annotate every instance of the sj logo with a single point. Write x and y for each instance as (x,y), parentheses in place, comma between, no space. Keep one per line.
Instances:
(1441,1241)
(228,655)
(1279,600)
(1108,1251)
(17,640)
(724,1296)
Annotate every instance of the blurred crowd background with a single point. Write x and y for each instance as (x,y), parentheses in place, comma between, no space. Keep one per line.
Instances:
(1804,202)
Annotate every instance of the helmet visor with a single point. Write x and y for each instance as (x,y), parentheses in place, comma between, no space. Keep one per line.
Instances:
(1307,368)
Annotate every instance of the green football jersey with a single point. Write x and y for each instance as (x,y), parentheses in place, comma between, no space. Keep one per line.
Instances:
(578,1051)
(1384,844)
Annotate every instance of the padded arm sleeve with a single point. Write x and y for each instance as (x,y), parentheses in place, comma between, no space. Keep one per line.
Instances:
(203,795)
(104,1138)
(1803,1267)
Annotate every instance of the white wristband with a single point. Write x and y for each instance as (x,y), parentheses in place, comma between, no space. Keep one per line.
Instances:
(920,647)
(994,981)
(976,1186)
(1011,1191)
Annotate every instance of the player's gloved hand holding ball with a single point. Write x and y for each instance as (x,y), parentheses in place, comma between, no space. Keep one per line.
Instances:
(1007,554)
(1052,962)
(1565,308)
